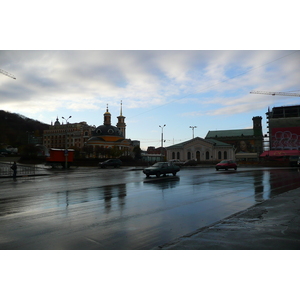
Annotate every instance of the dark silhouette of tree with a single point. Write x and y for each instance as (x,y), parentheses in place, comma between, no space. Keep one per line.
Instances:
(137,152)
(15,129)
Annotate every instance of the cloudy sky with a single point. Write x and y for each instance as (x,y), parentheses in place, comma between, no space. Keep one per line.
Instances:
(209,89)
(206,89)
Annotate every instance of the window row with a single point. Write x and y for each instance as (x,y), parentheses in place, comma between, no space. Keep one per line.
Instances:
(176,155)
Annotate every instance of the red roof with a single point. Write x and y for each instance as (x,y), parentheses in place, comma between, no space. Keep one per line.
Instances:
(280,153)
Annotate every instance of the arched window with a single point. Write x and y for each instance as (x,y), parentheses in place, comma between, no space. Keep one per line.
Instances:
(207,155)
(198,155)
(189,155)
(173,155)
(178,155)
(225,154)
(219,155)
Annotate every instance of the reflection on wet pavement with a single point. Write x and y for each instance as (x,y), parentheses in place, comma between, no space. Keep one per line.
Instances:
(117,209)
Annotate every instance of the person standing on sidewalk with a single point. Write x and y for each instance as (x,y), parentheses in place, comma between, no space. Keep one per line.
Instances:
(14,168)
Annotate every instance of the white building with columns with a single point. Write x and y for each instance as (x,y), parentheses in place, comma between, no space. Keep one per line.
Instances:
(201,150)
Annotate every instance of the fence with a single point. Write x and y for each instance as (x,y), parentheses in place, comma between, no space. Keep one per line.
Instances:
(6,171)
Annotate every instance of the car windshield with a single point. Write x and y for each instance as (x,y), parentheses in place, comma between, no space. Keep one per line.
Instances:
(224,162)
(159,164)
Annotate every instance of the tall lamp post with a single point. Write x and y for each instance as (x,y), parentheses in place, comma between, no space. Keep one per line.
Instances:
(162,138)
(193,127)
(66,146)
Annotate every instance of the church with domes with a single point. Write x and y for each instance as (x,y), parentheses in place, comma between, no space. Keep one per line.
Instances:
(107,137)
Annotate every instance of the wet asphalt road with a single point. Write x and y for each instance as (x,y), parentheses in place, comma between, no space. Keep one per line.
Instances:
(121,209)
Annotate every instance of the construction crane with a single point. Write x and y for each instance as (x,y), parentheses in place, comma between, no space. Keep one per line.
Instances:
(276,93)
(7,74)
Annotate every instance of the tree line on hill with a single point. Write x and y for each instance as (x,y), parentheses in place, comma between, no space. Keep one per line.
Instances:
(16,129)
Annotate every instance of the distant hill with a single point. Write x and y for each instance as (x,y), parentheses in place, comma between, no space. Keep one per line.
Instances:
(14,128)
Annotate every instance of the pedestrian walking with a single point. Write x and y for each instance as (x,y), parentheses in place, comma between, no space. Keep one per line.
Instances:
(14,168)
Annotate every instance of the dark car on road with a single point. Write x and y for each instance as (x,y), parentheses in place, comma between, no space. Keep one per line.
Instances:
(190,162)
(226,164)
(176,162)
(161,168)
(116,163)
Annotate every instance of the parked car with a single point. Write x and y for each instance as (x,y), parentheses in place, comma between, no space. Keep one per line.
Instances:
(191,162)
(226,164)
(176,162)
(161,168)
(116,163)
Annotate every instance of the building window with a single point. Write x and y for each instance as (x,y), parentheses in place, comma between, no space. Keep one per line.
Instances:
(189,155)
(173,155)
(178,155)
(225,154)
(207,155)
(219,155)
(198,155)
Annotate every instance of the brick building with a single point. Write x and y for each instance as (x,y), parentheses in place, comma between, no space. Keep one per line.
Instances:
(247,143)
(67,135)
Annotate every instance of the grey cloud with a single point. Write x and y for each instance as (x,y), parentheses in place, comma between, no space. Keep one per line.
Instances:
(140,75)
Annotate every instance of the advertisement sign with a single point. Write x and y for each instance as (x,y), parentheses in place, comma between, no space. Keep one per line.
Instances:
(242,146)
(287,138)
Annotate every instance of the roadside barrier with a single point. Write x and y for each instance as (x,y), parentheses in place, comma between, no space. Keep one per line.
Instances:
(6,171)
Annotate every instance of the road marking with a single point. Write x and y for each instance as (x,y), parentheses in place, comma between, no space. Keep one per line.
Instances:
(92,240)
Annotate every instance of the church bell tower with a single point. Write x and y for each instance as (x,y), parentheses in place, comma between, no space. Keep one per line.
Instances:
(107,117)
(257,127)
(121,123)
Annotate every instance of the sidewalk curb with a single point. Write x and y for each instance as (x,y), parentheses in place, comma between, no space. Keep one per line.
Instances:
(218,235)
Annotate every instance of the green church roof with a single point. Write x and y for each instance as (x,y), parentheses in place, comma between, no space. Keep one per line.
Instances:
(229,133)
(218,143)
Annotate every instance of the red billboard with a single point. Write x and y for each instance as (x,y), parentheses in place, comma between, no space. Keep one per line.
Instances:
(287,138)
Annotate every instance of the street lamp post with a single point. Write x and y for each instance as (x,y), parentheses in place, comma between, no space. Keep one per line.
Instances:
(162,138)
(66,146)
(193,127)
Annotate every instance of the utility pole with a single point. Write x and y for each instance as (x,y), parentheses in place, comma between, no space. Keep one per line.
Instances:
(193,127)
(66,146)
(162,138)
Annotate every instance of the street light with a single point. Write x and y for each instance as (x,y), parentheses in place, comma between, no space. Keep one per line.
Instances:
(193,127)
(162,138)
(67,119)
(66,147)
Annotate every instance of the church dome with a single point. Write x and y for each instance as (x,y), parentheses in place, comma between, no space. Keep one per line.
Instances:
(56,122)
(107,130)
(106,133)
